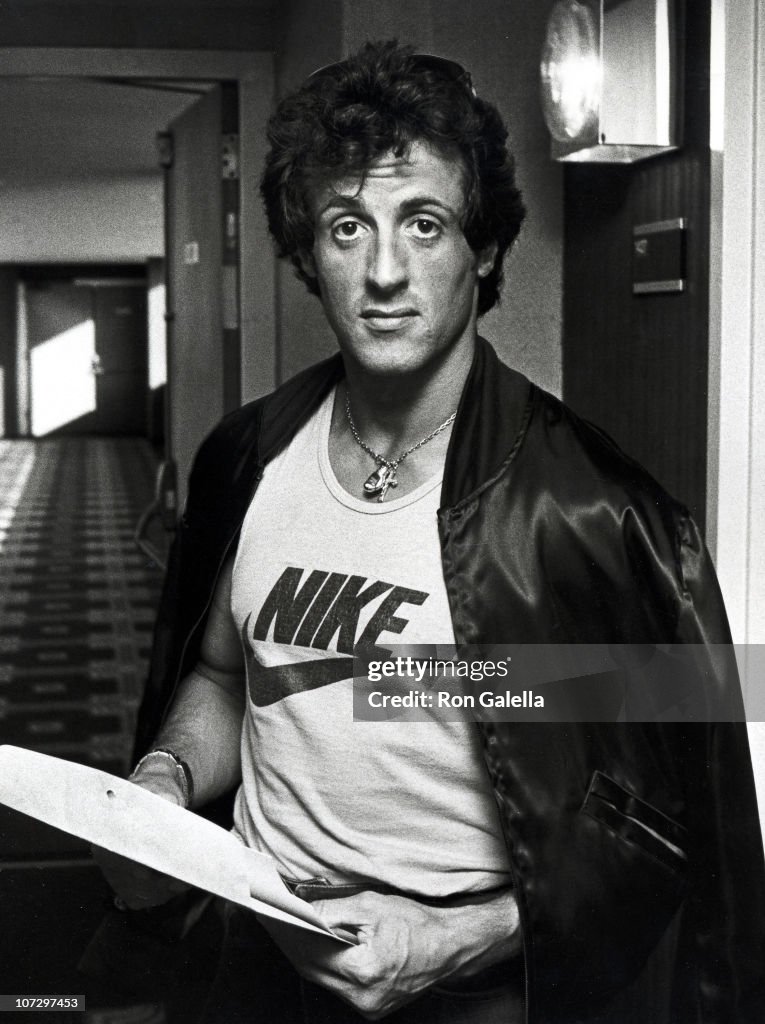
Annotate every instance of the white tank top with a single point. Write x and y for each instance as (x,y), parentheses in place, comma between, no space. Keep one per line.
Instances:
(317,570)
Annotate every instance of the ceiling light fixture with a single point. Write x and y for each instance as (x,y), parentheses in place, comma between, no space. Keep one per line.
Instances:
(609,80)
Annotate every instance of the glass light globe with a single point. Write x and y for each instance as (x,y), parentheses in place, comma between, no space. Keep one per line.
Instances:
(571,71)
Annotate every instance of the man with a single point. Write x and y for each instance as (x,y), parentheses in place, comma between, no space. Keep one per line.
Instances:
(413,489)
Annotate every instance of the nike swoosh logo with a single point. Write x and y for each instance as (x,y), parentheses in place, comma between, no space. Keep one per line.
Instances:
(270,685)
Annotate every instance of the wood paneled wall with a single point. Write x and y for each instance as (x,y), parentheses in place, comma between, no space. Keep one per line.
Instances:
(637,365)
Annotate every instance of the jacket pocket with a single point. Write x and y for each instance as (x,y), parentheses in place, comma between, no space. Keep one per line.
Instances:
(636,821)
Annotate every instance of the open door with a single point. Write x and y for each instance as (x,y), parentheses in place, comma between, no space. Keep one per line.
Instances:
(200,152)
(87,344)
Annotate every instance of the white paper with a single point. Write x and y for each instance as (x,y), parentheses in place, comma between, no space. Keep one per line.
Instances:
(126,819)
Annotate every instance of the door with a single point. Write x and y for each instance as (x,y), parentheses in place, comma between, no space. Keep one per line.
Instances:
(202,197)
(120,365)
(87,346)
(62,348)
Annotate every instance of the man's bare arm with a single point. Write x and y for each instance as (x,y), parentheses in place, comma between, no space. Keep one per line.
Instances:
(203,729)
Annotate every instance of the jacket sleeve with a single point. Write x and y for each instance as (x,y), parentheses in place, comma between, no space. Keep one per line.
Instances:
(726,909)
(218,494)
(165,656)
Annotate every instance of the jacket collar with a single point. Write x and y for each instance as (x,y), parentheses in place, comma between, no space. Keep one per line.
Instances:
(491,419)
(291,405)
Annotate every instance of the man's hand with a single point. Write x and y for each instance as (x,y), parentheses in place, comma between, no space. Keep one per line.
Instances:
(403,947)
(136,885)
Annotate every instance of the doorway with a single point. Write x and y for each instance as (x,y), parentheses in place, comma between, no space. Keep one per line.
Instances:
(63,508)
(86,351)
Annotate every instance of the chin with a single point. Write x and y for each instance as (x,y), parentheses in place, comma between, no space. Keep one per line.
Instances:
(393,354)
(392,363)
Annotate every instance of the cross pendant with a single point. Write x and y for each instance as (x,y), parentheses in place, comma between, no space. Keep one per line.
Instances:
(388,481)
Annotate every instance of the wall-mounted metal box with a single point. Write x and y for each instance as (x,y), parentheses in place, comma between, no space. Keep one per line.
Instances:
(611,74)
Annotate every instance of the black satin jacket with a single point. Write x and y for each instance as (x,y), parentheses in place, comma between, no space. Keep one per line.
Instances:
(635,848)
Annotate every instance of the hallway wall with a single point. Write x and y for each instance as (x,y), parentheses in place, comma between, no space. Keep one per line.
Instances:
(500,46)
(649,352)
(224,25)
(7,350)
(111,220)
(313,38)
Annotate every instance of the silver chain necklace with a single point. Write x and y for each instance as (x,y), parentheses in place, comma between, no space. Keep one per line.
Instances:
(380,479)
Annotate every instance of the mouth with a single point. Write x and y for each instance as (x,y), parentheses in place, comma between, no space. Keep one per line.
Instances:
(388,319)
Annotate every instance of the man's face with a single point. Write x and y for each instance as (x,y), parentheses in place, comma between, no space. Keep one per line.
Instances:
(398,280)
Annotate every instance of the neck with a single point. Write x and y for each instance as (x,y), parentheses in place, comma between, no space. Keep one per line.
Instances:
(397,410)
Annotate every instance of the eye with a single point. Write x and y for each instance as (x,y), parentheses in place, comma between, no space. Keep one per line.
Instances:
(424,227)
(347,230)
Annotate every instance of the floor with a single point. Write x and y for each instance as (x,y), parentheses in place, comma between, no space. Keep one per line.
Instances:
(77,602)
(77,597)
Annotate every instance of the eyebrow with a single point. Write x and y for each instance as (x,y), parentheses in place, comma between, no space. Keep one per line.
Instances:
(340,202)
(416,202)
(352,202)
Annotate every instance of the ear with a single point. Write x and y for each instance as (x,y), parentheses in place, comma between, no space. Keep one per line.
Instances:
(486,259)
(307,262)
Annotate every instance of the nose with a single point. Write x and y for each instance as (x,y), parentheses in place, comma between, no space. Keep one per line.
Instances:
(388,266)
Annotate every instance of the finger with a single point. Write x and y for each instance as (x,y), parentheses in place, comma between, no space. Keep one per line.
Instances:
(345,933)
(134,897)
(136,901)
(158,879)
(348,932)
(113,864)
(347,910)
(136,885)
(349,913)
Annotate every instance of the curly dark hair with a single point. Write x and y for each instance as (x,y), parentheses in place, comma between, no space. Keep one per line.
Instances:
(383,99)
